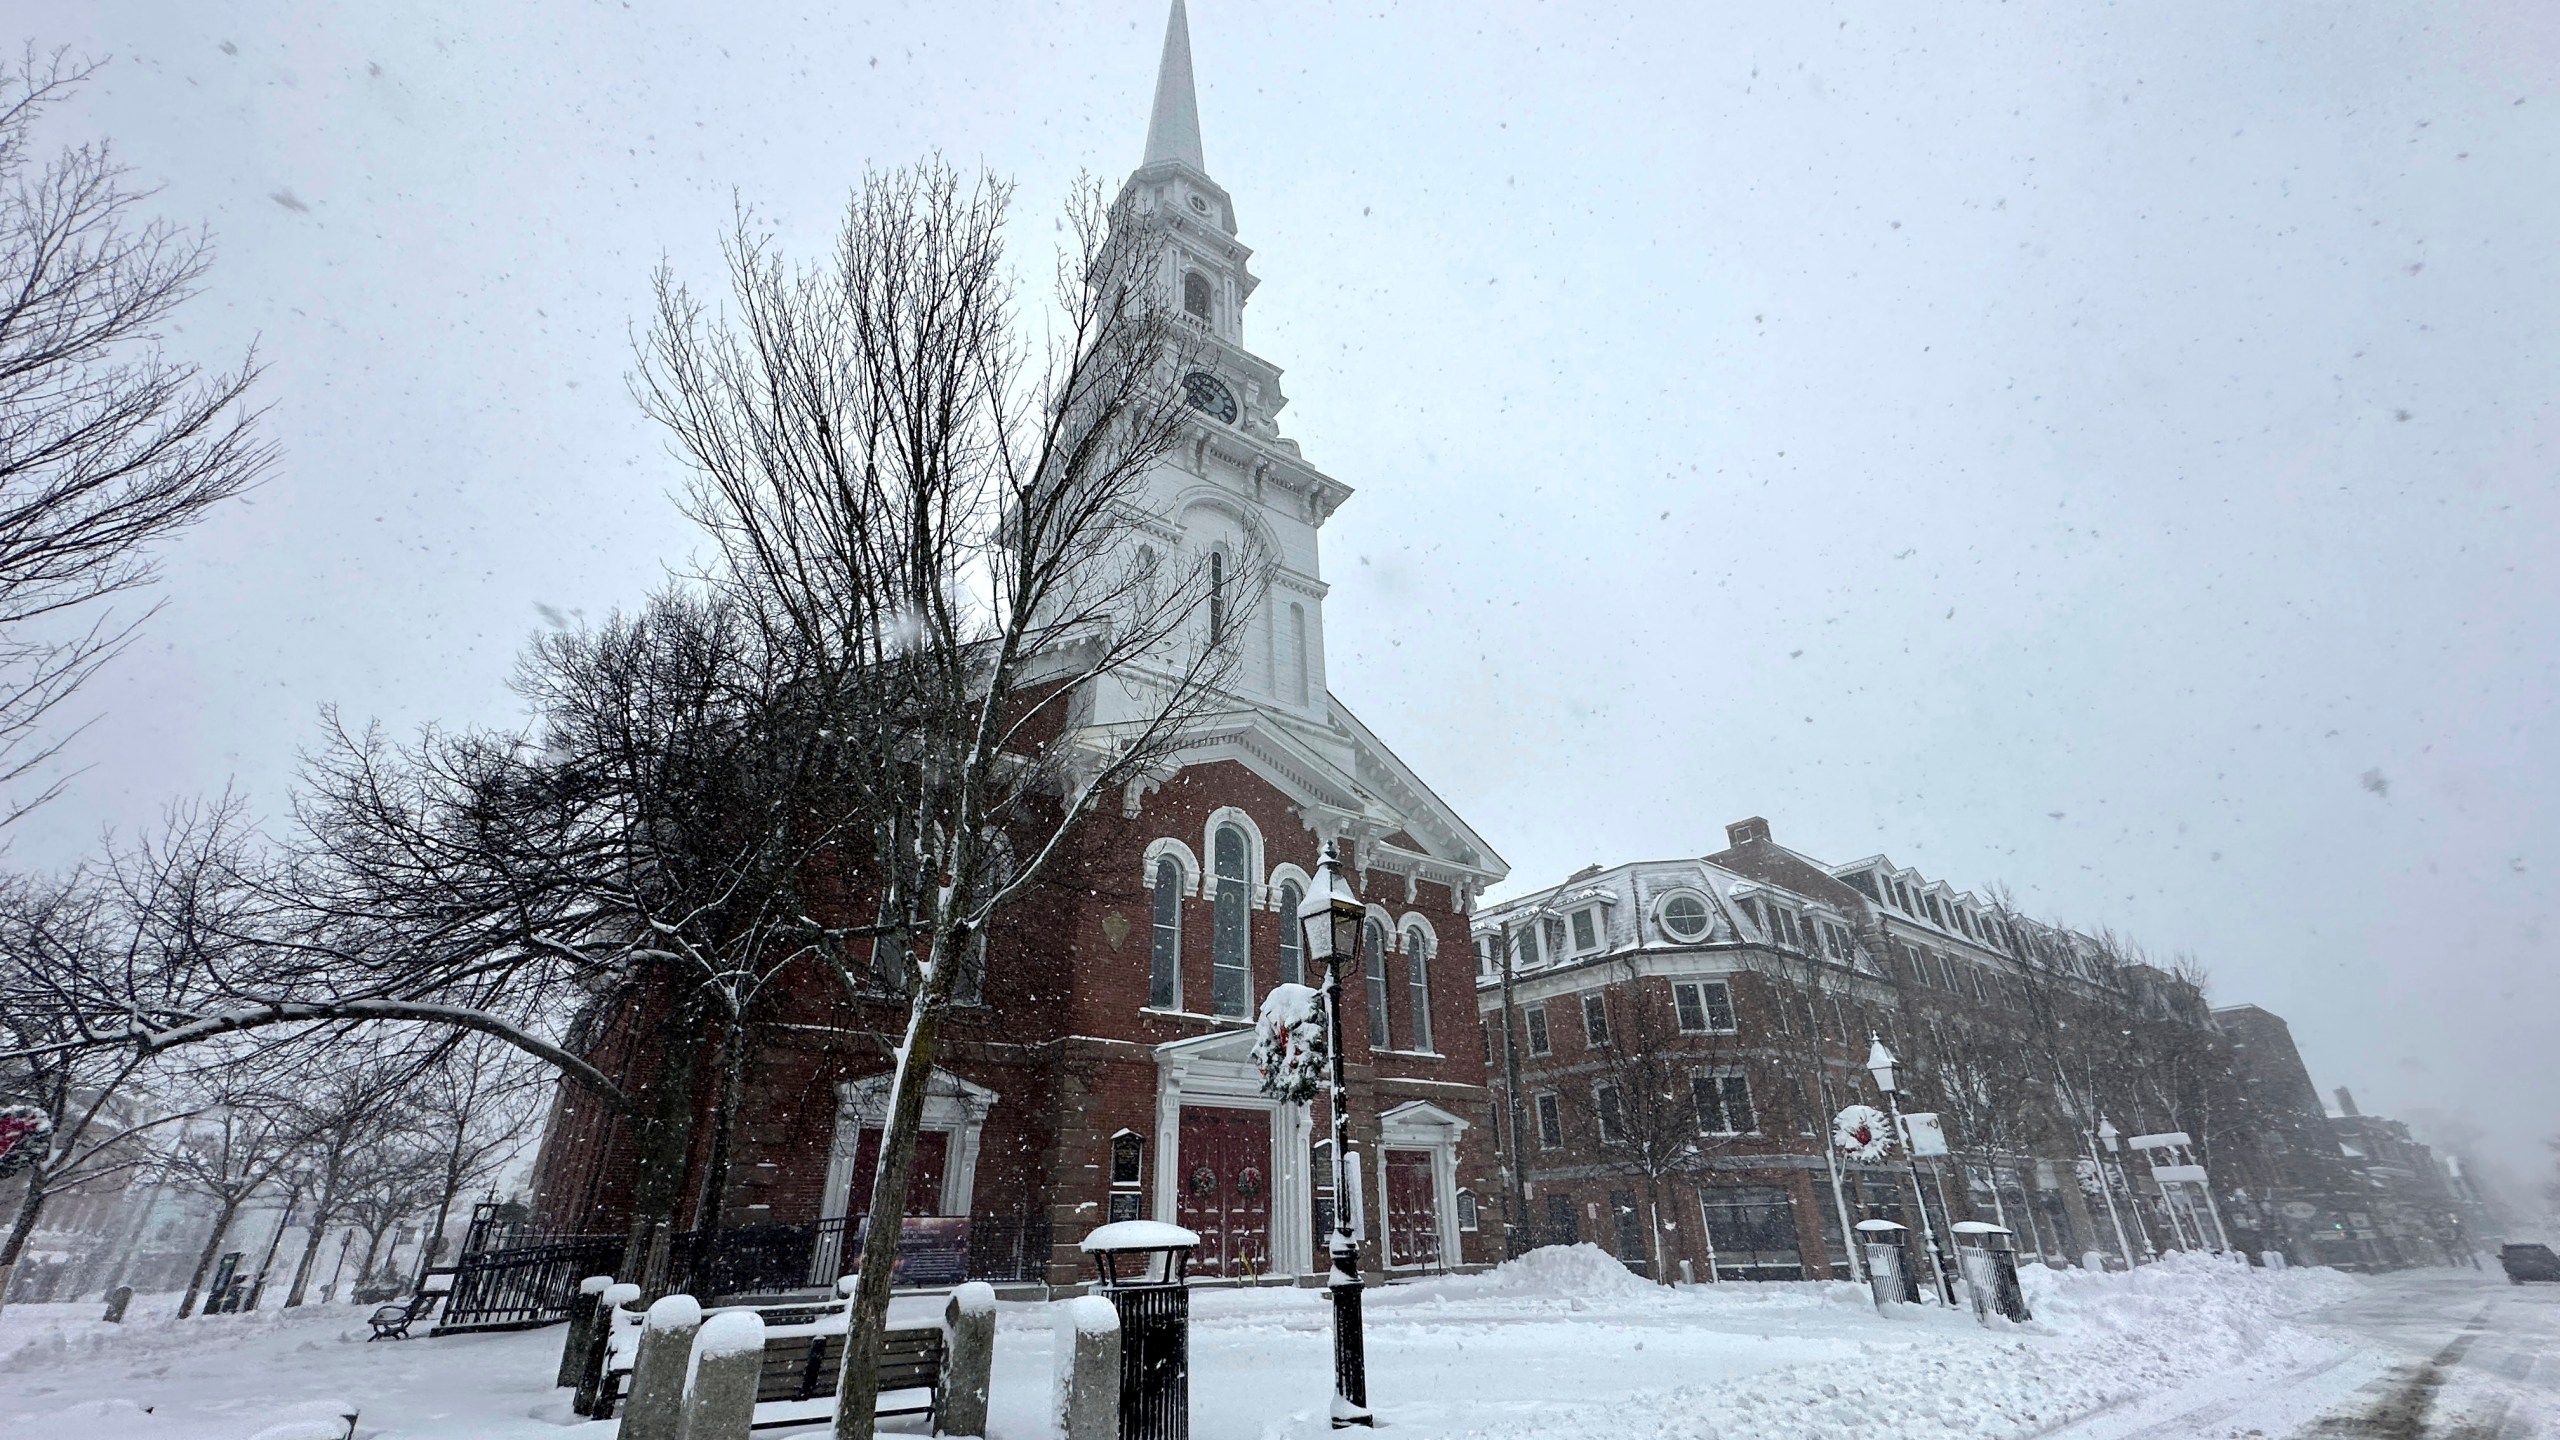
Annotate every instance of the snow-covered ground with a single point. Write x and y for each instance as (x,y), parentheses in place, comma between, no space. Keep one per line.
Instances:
(1564,1342)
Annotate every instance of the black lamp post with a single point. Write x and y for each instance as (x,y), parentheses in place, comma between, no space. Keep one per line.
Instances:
(1330,920)
(1880,1063)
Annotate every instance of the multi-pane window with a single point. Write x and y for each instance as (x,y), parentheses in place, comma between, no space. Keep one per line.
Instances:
(1528,947)
(1586,930)
(1550,1121)
(1376,945)
(1537,1016)
(1195,294)
(1610,1112)
(1417,971)
(1164,958)
(1685,917)
(1724,1104)
(1293,936)
(1230,974)
(1467,1210)
(1703,1005)
(1595,1017)
(1553,928)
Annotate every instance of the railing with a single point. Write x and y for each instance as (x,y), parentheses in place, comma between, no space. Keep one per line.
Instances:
(771,1259)
(521,1286)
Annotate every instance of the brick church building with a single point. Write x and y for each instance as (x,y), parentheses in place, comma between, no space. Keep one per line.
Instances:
(1104,1071)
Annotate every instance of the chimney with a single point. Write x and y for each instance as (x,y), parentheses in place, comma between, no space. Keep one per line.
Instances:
(2347,1102)
(1745,832)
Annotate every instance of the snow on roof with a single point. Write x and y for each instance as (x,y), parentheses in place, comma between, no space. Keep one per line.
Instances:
(1138,1235)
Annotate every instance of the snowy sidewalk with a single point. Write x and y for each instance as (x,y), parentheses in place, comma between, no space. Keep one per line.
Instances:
(1563,1342)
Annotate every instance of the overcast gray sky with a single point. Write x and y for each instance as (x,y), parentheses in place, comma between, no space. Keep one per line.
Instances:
(2105,449)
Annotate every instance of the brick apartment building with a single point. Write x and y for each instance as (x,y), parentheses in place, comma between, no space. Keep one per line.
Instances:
(1756,976)
(1103,1072)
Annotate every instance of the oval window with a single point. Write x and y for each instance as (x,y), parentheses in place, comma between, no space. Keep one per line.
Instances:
(1685,917)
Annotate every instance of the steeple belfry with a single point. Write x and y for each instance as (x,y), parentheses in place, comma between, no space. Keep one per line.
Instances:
(1173,127)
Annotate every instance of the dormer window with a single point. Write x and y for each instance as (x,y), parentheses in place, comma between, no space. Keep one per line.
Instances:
(1586,930)
(1195,294)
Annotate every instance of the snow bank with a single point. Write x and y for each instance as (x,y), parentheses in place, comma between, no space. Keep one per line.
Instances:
(1556,1272)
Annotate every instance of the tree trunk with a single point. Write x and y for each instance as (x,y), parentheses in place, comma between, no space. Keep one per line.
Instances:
(204,1261)
(711,1201)
(19,1229)
(858,1387)
(372,1247)
(318,1227)
(666,1133)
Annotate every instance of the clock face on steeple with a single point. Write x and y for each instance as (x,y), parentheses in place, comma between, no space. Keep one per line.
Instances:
(1207,392)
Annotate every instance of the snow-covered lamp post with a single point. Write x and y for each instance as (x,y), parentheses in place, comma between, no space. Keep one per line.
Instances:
(1880,1064)
(1330,920)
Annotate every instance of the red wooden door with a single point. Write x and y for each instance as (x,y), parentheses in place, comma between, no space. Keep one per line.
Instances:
(1413,1219)
(1223,1189)
(924,1175)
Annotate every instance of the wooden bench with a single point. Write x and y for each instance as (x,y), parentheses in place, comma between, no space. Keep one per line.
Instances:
(392,1322)
(803,1353)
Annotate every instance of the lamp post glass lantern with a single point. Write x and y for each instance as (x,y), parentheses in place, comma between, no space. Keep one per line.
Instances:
(1880,1065)
(1330,922)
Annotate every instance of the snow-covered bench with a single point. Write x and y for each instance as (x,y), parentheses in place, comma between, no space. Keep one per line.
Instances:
(392,1322)
(803,1351)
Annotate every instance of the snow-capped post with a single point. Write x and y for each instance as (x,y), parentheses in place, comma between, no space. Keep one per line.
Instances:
(968,1359)
(586,1311)
(1329,920)
(610,1307)
(1140,1265)
(655,1410)
(1088,1369)
(1880,1065)
(728,1361)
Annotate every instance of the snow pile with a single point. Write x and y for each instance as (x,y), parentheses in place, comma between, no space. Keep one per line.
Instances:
(1928,1373)
(310,1420)
(1555,1272)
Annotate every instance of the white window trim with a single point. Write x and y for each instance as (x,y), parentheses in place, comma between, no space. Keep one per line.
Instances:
(1157,849)
(1546,1025)
(1599,1121)
(1705,1011)
(1538,1122)
(1662,907)
(1255,893)
(952,1106)
(1599,929)
(1730,1072)
(1608,1037)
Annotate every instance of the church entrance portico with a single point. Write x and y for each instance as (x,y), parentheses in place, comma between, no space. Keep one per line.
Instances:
(1225,1150)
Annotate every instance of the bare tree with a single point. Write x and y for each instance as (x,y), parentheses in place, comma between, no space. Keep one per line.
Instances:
(1653,1100)
(107,445)
(940,525)
(473,1113)
(227,1154)
(102,1110)
(345,1110)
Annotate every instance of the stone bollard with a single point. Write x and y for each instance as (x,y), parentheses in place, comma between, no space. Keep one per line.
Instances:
(655,1409)
(585,1308)
(2093,1261)
(1089,1369)
(609,1306)
(2272,1259)
(117,1299)
(968,1359)
(728,1361)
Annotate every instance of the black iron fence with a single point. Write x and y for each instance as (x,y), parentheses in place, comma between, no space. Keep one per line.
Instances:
(774,1259)
(522,1285)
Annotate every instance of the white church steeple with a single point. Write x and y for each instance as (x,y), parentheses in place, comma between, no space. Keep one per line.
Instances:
(1173,127)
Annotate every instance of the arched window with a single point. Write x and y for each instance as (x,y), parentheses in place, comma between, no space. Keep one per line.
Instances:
(1293,937)
(1417,971)
(1375,942)
(1298,646)
(1217,596)
(1195,293)
(1230,974)
(1164,963)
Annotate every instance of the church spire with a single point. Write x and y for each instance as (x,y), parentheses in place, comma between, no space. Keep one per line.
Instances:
(1173,128)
